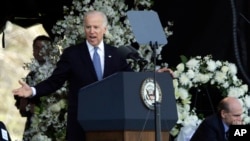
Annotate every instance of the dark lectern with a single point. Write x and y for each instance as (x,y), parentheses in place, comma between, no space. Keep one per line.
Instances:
(113,109)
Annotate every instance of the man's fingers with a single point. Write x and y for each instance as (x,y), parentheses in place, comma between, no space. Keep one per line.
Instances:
(20,91)
(16,92)
(237,122)
(21,82)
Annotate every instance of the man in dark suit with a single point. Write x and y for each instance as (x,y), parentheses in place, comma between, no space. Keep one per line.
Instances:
(76,67)
(216,126)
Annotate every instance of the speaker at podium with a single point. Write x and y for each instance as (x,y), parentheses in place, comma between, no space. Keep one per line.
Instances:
(120,107)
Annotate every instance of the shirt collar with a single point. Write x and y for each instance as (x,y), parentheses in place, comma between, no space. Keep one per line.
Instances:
(101,46)
(226,127)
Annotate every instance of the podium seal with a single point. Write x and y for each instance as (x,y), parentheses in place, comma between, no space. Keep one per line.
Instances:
(147,93)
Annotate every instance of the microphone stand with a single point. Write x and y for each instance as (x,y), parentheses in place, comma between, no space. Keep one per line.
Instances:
(157,103)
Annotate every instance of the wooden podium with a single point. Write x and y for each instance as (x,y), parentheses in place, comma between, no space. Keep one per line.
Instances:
(113,109)
(124,136)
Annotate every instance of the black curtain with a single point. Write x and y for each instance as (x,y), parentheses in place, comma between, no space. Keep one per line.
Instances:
(206,27)
(30,12)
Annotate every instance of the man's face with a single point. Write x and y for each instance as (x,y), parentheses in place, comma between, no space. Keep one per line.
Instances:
(37,53)
(94,28)
(233,116)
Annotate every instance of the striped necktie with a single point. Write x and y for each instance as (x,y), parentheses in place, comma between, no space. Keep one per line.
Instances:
(97,64)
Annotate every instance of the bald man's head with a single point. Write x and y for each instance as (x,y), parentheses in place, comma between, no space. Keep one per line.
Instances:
(230,110)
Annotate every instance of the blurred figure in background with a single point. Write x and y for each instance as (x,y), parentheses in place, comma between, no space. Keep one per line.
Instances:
(41,45)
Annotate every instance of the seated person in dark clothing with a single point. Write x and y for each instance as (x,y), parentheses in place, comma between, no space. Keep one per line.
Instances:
(216,126)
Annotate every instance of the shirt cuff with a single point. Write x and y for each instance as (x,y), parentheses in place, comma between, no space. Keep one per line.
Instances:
(33,91)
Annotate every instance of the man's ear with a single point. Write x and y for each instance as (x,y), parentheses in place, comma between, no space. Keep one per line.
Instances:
(223,113)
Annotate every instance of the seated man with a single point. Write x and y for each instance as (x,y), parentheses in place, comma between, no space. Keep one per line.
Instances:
(216,126)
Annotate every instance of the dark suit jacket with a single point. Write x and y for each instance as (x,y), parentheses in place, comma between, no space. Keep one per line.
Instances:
(211,129)
(4,135)
(76,67)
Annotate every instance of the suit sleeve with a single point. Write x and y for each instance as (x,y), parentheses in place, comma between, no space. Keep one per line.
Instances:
(58,77)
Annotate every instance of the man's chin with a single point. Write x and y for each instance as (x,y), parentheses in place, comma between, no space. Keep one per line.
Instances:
(93,42)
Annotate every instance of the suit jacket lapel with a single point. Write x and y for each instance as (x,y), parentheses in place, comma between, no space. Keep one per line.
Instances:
(86,58)
(107,59)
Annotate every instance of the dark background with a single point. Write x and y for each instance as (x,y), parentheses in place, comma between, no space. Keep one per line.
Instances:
(201,27)
(206,27)
(28,12)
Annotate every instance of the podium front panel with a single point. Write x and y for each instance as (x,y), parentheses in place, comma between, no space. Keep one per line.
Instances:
(115,103)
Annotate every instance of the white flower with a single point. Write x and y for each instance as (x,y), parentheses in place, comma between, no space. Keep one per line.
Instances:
(184,80)
(200,71)
(40,137)
(211,66)
(190,74)
(235,92)
(220,77)
(246,119)
(175,83)
(186,133)
(180,67)
(201,78)
(247,101)
(244,87)
(232,69)
(191,120)
(182,93)
(55,107)
(218,63)
(225,85)
(193,64)
(174,131)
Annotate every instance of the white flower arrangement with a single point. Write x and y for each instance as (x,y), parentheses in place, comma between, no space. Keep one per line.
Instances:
(199,71)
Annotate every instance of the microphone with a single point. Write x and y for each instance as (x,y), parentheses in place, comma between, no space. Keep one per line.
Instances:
(128,52)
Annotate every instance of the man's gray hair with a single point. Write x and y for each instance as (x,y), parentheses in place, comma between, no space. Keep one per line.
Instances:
(105,19)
